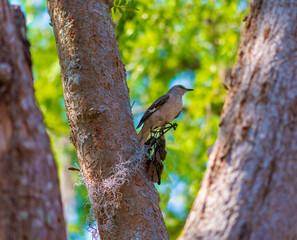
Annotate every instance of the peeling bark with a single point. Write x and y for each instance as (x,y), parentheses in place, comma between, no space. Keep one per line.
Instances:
(249,190)
(31,206)
(125,203)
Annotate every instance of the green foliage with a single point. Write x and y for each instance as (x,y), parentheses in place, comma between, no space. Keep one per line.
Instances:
(189,42)
(124,5)
(162,43)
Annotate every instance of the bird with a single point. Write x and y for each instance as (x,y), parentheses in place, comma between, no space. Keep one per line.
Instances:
(162,111)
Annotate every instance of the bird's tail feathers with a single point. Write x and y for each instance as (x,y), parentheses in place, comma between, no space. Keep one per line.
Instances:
(143,134)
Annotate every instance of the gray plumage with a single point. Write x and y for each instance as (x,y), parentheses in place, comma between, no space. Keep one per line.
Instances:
(162,111)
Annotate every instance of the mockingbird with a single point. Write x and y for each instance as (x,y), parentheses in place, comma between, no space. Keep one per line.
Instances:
(162,111)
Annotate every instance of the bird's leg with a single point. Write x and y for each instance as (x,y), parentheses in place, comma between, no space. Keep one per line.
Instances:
(174,125)
(161,131)
(167,128)
(162,128)
(157,133)
(153,131)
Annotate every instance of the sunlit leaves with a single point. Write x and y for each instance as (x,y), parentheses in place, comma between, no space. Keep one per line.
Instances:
(162,42)
(189,42)
(123,5)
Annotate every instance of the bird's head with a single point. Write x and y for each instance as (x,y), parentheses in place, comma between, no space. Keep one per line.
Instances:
(180,89)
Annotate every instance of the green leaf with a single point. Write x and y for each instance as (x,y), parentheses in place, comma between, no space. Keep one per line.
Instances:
(131,8)
(123,2)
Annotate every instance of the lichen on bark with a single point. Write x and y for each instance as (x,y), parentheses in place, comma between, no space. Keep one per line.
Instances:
(100,120)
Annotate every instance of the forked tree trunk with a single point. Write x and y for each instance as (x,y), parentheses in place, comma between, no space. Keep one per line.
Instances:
(124,201)
(250,188)
(30,200)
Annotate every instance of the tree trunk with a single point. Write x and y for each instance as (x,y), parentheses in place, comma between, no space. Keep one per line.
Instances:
(249,190)
(30,200)
(124,201)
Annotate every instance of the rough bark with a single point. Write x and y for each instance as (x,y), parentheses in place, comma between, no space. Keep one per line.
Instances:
(250,188)
(124,202)
(30,201)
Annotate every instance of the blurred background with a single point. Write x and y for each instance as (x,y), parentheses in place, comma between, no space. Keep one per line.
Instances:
(162,43)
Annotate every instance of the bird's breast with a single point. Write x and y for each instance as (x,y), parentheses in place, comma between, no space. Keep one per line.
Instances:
(174,106)
(167,112)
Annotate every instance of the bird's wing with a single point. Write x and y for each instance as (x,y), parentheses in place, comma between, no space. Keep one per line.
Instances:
(155,106)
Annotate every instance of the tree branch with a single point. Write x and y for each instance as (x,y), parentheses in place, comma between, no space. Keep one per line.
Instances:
(101,125)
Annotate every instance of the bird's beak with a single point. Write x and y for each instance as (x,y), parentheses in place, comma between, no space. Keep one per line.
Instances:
(189,89)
